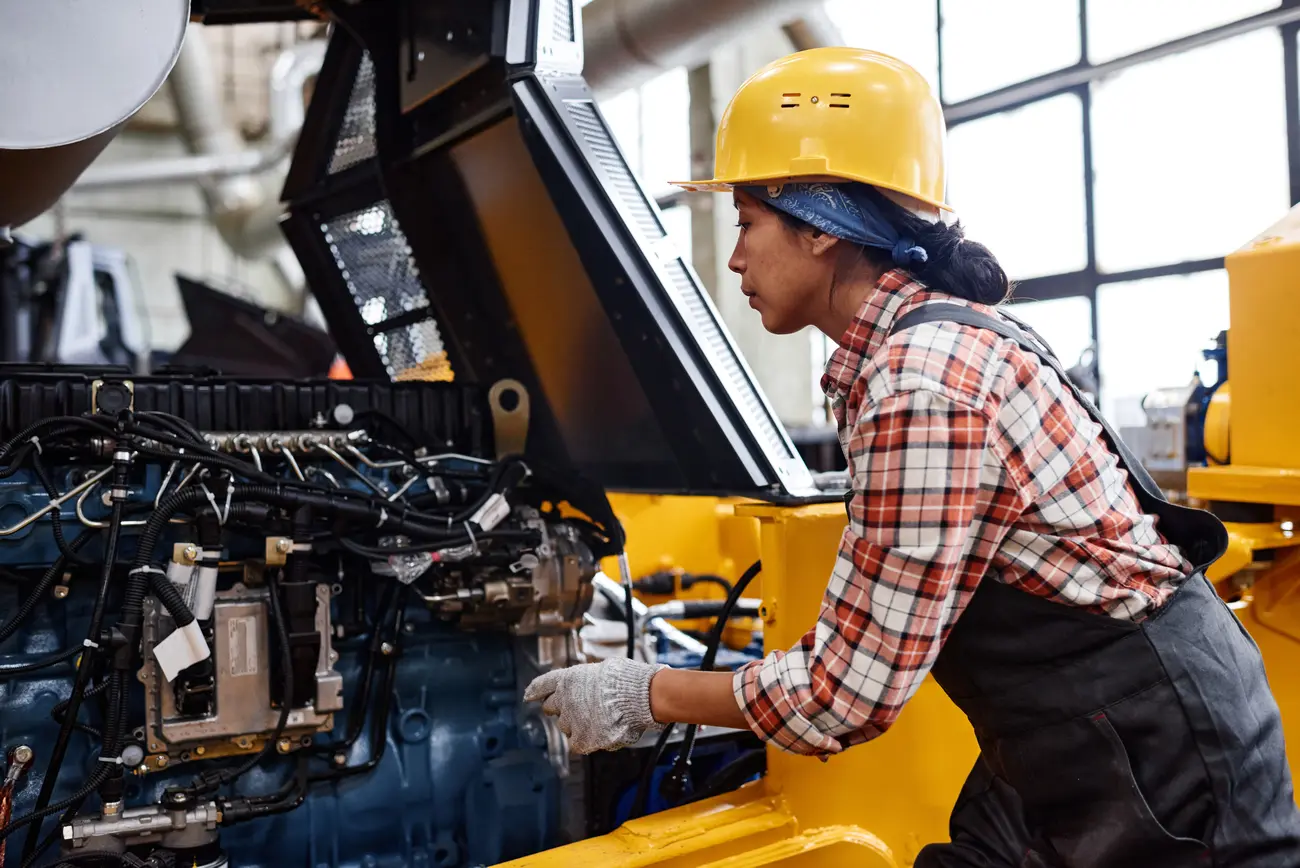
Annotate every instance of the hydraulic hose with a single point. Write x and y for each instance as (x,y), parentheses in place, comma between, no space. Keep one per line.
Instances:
(121,464)
(676,779)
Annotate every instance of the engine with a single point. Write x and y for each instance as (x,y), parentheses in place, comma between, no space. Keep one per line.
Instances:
(273,623)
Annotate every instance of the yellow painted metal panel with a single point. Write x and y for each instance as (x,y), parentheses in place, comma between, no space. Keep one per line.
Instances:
(1241,483)
(1261,347)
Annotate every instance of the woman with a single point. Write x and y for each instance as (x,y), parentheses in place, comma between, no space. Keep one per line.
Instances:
(1000,537)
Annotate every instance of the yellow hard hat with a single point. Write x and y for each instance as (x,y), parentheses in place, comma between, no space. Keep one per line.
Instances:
(834,114)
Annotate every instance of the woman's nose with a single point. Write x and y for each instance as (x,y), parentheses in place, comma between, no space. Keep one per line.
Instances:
(737,261)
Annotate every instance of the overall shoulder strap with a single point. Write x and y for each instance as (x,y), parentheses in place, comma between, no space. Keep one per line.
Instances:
(1200,534)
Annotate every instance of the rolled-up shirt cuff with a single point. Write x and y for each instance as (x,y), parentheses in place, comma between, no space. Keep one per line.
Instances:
(771,713)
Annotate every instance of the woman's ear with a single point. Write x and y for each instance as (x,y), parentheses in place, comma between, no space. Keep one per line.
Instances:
(819,243)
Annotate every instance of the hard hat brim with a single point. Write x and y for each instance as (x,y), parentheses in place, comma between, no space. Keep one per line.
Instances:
(906,199)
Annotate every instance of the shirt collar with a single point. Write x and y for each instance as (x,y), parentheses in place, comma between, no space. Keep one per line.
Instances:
(895,293)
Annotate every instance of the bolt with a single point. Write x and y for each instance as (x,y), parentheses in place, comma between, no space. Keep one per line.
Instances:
(386,649)
(60,592)
(200,750)
(178,797)
(161,762)
(284,745)
(23,755)
(284,545)
(191,552)
(340,759)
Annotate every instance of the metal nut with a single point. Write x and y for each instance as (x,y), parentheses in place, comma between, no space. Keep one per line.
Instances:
(161,762)
(284,745)
(60,592)
(340,758)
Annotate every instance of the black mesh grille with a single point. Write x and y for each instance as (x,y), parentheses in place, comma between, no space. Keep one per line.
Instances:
(375,262)
(616,170)
(705,327)
(562,21)
(356,139)
(414,352)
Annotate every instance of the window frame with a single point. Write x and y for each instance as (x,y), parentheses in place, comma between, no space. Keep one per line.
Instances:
(1077,79)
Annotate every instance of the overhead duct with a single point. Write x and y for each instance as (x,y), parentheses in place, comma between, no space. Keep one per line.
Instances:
(814,30)
(628,42)
(244,205)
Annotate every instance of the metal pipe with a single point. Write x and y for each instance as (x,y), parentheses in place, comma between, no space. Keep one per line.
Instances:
(1058,82)
(628,42)
(57,502)
(814,30)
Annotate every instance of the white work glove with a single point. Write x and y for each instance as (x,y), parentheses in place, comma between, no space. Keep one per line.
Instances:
(600,706)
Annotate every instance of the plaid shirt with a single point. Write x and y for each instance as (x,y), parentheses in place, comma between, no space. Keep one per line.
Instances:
(969,459)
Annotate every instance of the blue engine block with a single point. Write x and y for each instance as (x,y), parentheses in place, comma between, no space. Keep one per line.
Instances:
(464,779)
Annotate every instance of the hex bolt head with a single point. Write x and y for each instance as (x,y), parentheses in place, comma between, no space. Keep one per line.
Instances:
(60,592)
(178,797)
(284,545)
(161,762)
(284,745)
(386,649)
(191,552)
(200,750)
(340,758)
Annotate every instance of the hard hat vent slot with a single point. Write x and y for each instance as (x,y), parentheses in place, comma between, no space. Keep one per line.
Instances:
(789,105)
(841,96)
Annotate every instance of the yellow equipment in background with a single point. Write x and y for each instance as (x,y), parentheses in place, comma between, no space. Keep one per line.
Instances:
(877,804)
(1255,429)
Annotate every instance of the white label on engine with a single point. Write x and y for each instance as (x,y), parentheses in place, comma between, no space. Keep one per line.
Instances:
(183,648)
(492,513)
(243,646)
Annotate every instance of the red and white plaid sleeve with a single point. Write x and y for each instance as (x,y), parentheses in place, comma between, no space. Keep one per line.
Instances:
(908,563)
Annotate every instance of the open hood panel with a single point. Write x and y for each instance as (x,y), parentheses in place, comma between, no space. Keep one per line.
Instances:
(461,208)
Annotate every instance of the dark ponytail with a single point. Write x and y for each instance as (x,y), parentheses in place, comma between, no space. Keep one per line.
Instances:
(953,265)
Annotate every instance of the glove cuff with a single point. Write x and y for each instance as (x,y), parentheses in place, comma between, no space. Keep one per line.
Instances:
(628,692)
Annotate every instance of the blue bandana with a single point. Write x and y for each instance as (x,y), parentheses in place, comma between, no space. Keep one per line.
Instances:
(846,211)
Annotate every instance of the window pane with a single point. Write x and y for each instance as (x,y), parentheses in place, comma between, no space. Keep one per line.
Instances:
(1190,153)
(1065,323)
(665,131)
(1120,27)
(908,31)
(988,44)
(677,220)
(1151,333)
(1016,182)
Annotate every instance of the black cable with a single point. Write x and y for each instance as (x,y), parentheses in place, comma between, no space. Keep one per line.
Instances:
(11,670)
(689,581)
(83,671)
(43,585)
(360,704)
(677,775)
(101,857)
(630,618)
(56,517)
(112,736)
(60,710)
(209,782)
(730,776)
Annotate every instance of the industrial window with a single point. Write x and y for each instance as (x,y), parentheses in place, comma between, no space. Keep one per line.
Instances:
(988,44)
(1151,333)
(904,30)
(1190,153)
(1187,154)
(1065,323)
(1016,180)
(1120,27)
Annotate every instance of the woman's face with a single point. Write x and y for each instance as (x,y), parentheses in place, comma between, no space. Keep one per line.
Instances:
(786,273)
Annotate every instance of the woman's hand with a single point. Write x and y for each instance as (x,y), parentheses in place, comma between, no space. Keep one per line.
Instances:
(600,706)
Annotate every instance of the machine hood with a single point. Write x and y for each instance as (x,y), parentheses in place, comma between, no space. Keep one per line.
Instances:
(461,209)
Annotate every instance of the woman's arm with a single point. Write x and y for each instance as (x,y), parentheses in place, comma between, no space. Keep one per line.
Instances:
(691,696)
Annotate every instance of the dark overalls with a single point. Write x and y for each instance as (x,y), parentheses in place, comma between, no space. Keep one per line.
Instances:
(1107,743)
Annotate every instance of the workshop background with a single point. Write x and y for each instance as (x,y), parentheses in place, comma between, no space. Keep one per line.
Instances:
(1110,152)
